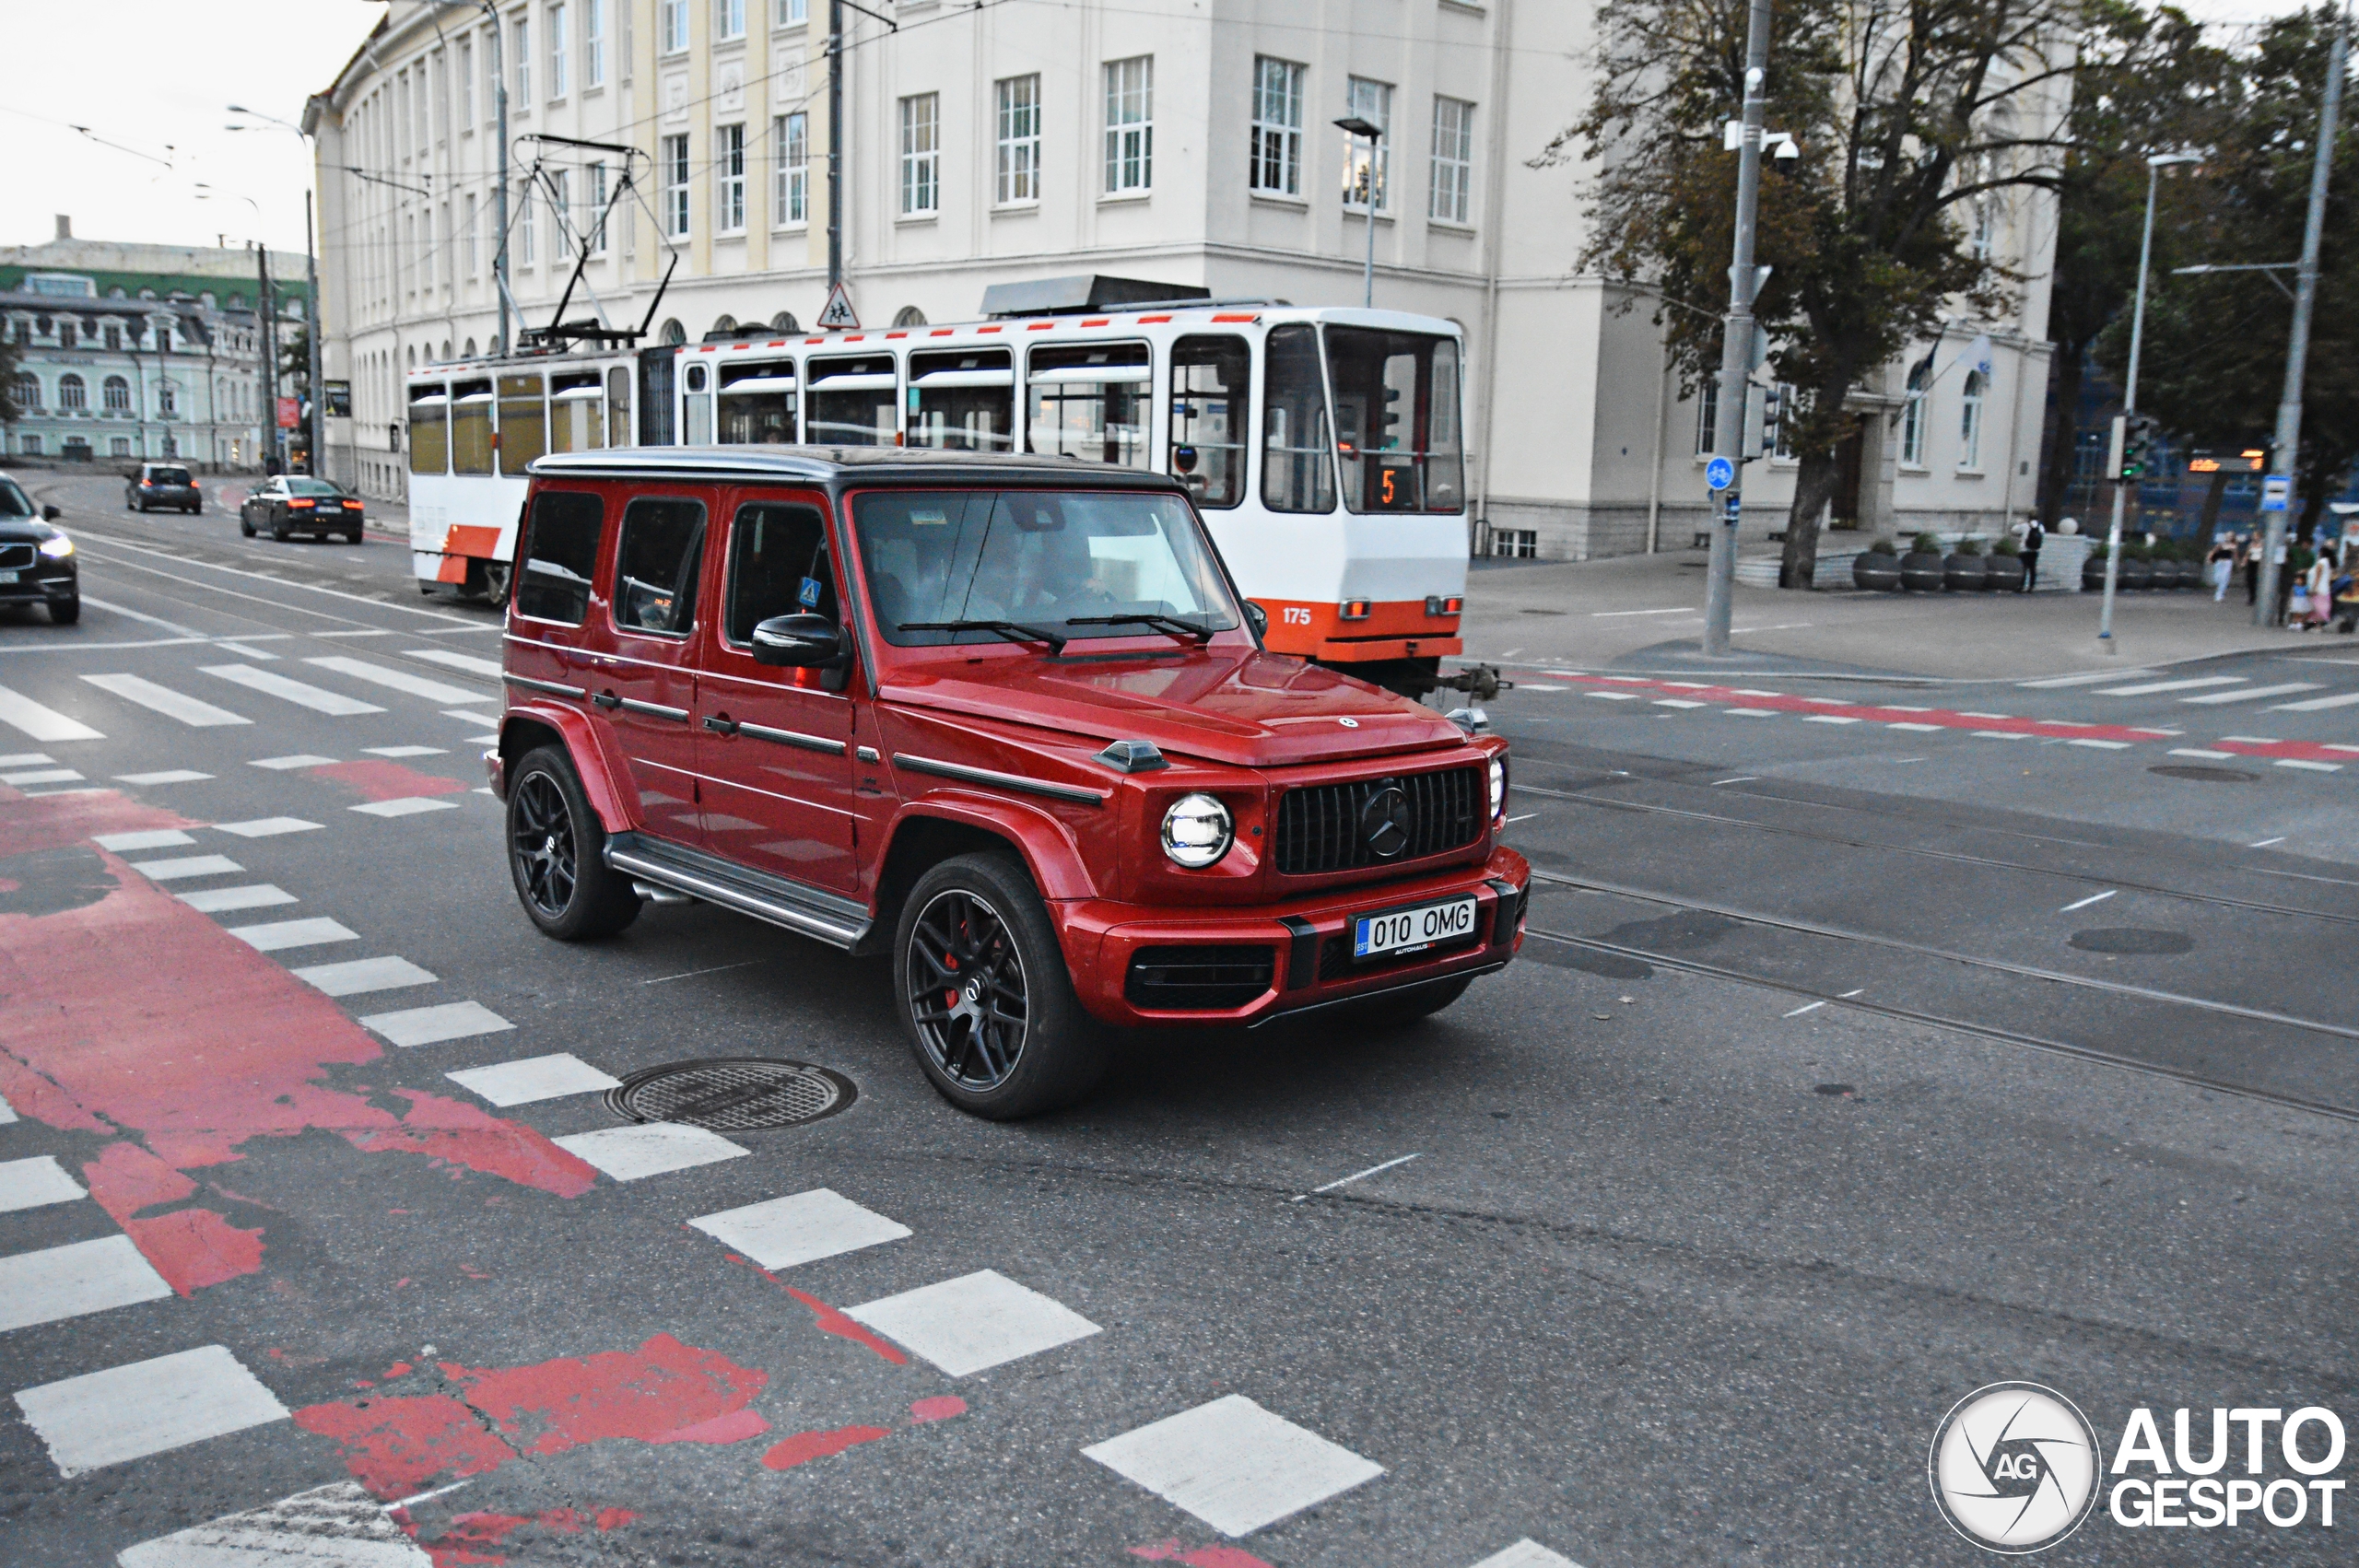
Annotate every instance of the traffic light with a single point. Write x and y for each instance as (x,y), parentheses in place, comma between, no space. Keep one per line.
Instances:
(1773,403)
(2138,447)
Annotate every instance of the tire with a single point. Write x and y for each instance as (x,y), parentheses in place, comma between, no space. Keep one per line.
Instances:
(979,915)
(278,530)
(353,537)
(65,611)
(1398,1009)
(245,525)
(555,853)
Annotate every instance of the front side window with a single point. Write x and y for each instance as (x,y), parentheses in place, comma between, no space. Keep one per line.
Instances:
(790,141)
(1453,170)
(921,153)
(1969,424)
(523,421)
(1090,401)
(560,553)
(676,186)
(1372,101)
(757,402)
(1018,171)
(729,156)
(852,402)
(1210,417)
(656,565)
(1297,456)
(1130,124)
(1396,420)
(429,429)
(778,566)
(963,400)
(1277,126)
(1058,560)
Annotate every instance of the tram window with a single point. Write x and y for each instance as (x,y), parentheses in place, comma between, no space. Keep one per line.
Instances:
(1296,471)
(523,422)
(1396,420)
(561,552)
(429,429)
(576,422)
(618,407)
(963,400)
(757,402)
(1210,417)
(471,427)
(851,402)
(1090,401)
(695,406)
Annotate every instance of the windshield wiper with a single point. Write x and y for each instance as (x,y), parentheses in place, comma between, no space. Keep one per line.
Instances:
(1015,631)
(1159,622)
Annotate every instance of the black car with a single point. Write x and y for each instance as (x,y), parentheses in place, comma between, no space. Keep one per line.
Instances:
(296,503)
(37,565)
(163,484)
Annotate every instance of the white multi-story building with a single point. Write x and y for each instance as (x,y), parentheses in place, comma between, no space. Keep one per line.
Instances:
(1174,141)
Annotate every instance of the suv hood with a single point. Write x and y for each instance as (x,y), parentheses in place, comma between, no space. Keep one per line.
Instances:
(1248,709)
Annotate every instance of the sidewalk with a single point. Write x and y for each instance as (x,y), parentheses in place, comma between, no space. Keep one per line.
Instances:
(1641,613)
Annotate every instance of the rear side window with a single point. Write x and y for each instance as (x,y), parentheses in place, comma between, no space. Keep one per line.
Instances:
(560,553)
(778,566)
(655,565)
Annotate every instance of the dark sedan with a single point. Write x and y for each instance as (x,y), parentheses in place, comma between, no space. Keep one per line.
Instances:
(37,565)
(296,503)
(163,484)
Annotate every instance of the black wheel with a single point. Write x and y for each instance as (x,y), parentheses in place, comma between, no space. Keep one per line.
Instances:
(1398,1009)
(555,852)
(985,995)
(245,525)
(278,530)
(65,611)
(352,537)
(197,510)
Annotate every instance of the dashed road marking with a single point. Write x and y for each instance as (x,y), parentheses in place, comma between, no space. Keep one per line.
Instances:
(35,1184)
(973,1323)
(42,776)
(340,1525)
(2305,763)
(2151,688)
(1525,1553)
(219,900)
(1355,1175)
(186,866)
(74,1281)
(146,1407)
(532,1079)
(164,700)
(395,680)
(169,775)
(1234,1465)
(783,1233)
(42,723)
(2092,898)
(148,839)
(319,700)
(432,1026)
(283,764)
(276,936)
(2255,693)
(467,661)
(407,750)
(2086,679)
(407,805)
(2315,704)
(655,1148)
(358,976)
(266,826)
(2101,745)
(2201,751)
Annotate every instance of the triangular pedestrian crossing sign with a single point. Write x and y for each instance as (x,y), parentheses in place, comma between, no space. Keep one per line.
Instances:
(838,314)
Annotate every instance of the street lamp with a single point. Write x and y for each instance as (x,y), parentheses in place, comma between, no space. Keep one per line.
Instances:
(317,429)
(2155,163)
(1355,126)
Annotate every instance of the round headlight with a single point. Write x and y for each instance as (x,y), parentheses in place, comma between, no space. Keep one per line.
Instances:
(1498,788)
(1197,832)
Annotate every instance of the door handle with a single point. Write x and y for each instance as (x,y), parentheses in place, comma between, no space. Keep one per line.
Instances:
(721,723)
(606,699)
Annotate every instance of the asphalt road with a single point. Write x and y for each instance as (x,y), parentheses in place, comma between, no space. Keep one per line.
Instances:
(1812,1105)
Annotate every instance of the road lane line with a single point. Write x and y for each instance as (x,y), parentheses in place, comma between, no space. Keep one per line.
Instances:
(1806,1007)
(432,1026)
(281,764)
(319,700)
(357,977)
(166,701)
(2313,766)
(407,805)
(266,826)
(75,1280)
(187,866)
(146,838)
(489,668)
(276,936)
(2315,704)
(2092,898)
(2199,750)
(220,900)
(1355,1175)
(146,1407)
(2086,679)
(2255,693)
(169,775)
(2186,685)
(40,723)
(395,680)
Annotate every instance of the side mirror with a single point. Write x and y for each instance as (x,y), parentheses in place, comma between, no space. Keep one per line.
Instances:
(49,514)
(1259,619)
(799,642)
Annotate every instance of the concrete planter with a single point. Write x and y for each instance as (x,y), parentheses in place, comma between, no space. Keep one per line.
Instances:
(1963,574)
(2003,574)
(2093,574)
(1920,572)
(1871,571)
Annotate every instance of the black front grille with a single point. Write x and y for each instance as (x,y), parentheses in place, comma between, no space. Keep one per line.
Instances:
(1320,826)
(16,558)
(1198,979)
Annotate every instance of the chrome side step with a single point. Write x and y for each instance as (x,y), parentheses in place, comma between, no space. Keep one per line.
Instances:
(836,922)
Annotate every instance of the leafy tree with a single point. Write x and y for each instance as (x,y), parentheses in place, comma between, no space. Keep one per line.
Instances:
(2213,363)
(10,357)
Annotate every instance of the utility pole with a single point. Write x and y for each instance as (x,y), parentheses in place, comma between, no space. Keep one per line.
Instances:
(835,145)
(2286,449)
(311,332)
(2118,449)
(269,312)
(1736,340)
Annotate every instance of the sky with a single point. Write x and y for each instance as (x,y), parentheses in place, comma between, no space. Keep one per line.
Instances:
(155,77)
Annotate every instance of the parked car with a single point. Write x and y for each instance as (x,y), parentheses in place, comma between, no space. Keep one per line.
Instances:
(294,503)
(163,484)
(37,565)
(1002,717)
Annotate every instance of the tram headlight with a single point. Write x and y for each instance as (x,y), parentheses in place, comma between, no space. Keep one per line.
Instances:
(1197,832)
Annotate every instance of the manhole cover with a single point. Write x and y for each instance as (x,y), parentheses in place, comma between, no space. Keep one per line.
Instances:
(733,1094)
(2208,775)
(2132,939)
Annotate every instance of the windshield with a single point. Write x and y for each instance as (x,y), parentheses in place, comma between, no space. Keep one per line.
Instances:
(14,502)
(311,487)
(169,475)
(1396,419)
(1061,561)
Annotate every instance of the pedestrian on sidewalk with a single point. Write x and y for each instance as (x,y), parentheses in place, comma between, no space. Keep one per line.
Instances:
(2293,567)
(2034,537)
(2321,584)
(2221,564)
(2253,568)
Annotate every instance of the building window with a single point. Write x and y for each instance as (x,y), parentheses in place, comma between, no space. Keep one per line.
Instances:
(1372,101)
(1453,175)
(1277,126)
(32,446)
(671,25)
(28,392)
(560,214)
(73,394)
(790,141)
(118,446)
(520,44)
(526,230)
(921,153)
(116,394)
(559,73)
(1912,415)
(166,397)
(491,68)
(730,187)
(597,209)
(1708,418)
(474,263)
(593,43)
(466,84)
(115,335)
(676,186)
(728,20)
(1969,422)
(66,336)
(1019,141)
(1130,124)
(1516,544)
(429,260)
(1783,447)
(793,13)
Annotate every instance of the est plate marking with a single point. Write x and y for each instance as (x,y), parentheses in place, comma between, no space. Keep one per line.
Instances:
(1408,930)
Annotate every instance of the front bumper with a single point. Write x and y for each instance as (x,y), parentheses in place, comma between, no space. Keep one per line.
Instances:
(44,584)
(1123,955)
